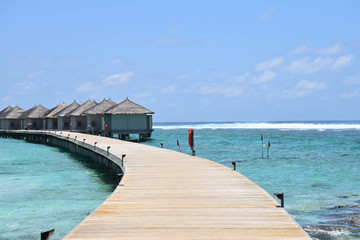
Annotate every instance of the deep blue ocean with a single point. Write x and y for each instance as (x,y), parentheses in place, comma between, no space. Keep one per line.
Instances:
(315,164)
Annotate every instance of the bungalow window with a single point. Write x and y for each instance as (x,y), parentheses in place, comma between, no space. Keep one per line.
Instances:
(54,124)
(12,125)
(93,123)
(79,124)
(66,124)
(34,124)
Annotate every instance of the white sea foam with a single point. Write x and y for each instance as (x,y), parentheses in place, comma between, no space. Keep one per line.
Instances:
(263,125)
(337,232)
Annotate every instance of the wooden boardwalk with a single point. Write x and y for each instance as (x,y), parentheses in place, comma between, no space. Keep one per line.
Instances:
(169,195)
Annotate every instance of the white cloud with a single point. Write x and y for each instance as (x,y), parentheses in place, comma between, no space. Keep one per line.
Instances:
(6,98)
(68,60)
(168,90)
(310,65)
(304,88)
(169,40)
(334,49)
(265,77)
(228,91)
(300,49)
(269,64)
(117,62)
(24,86)
(343,61)
(304,84)
(87,87)
(354,79)
(243,78)
(265,16)
(30,58)
(348,95)
(181,76)
(35,74)
(117,79)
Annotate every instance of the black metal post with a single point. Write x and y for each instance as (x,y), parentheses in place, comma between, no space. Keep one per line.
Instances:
(234,165)
(47,234)
(280,196)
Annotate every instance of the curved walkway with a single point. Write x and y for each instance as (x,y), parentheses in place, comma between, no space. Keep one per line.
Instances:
(169,195)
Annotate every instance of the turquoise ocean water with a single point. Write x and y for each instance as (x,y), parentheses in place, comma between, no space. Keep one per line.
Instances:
(315,164)
(43,188)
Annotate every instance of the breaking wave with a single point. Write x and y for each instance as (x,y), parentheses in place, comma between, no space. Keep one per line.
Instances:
(320,126)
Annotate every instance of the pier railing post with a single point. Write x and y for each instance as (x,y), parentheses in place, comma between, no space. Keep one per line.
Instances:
(234,165)
(47,234)
(122,159)
(280,196)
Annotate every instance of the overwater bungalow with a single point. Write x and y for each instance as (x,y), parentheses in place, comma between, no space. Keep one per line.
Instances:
(11,119)
(78,119)
(105,117)
(51,120)
(127,118)
(33,118)
(3,113)
(63,119)
(5,110)
(95,116)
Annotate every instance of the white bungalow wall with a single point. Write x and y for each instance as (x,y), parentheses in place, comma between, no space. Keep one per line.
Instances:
(25,123)
(129,122)
(4,123)
(63,123)
(60,123)
(15,124)
(78,122)
(36,123)
(96,121)
(52,123)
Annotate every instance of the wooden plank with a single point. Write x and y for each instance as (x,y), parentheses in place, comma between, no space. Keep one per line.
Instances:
(169,195)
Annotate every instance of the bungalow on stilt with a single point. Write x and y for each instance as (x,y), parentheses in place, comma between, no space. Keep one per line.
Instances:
(128,118)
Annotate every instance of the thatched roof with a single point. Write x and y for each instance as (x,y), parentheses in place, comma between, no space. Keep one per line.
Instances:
(35,112)
(66,110)
(82,108)
(55,110)
(101,107)
(128,107)
(14,113)
(5,111)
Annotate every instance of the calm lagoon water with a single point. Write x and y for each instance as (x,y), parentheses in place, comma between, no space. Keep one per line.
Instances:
(315,164)
(46,187)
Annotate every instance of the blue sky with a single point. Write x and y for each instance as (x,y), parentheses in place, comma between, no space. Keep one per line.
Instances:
(186,60)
